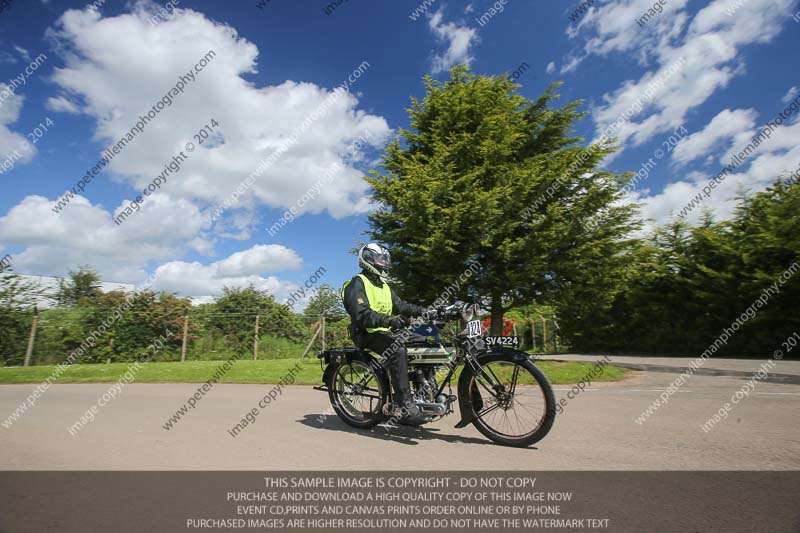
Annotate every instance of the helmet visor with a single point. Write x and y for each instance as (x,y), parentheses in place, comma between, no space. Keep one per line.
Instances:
(380,259)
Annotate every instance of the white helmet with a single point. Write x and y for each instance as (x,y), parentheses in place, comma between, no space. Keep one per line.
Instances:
(374,258)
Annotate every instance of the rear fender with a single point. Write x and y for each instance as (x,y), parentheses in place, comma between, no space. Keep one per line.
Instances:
(337,356)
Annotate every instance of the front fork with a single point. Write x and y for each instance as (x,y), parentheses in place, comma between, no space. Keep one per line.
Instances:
(471,400)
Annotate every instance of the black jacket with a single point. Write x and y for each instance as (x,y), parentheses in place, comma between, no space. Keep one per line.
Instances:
(362,316)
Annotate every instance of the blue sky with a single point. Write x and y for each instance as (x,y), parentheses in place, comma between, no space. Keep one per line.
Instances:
(275,65)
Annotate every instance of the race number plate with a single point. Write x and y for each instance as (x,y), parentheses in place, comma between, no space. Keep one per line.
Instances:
(502,341)
(474,328)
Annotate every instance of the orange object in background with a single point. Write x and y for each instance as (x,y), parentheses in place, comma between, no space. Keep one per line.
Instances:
(508,325)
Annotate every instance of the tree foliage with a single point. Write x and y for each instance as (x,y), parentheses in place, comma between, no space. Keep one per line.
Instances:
(326,301)
(234,312)
(17,300)
(685,284)
(486,175)
(83,283)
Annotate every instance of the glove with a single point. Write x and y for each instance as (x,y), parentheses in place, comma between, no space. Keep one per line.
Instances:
(431,314)
(397,322)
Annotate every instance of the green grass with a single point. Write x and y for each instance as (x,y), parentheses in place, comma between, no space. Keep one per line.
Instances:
(244,371)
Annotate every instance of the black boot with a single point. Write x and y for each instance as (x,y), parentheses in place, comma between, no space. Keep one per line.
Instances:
(409,412)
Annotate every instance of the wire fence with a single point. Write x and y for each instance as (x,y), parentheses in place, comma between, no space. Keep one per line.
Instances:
(50,337)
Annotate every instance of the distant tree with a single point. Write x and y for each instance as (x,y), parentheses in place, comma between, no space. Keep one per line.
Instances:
(233,315)
(680,288)
(83,283)
(16,292)
(326,301)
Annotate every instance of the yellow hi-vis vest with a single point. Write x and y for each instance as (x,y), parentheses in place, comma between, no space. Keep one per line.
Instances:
(380,298)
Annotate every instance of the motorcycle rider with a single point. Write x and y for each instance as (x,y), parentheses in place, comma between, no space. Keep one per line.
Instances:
(375,310)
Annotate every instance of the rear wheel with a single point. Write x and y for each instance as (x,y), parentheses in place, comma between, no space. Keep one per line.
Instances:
(516,406)
(357,393)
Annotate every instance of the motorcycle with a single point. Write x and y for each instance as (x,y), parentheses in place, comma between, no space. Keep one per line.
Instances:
(500,390)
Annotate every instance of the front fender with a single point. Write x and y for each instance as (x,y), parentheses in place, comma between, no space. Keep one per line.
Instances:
(467,400)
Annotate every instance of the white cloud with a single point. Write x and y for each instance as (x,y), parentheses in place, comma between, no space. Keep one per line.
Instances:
(551,67)
(117,68)
(61,104)
(258,259)
(459,40)
(774,158)
(238,270)
(612,27)
(710,44)
(22,52)
(84,234)
(790,95)
(728,126)
(12,142)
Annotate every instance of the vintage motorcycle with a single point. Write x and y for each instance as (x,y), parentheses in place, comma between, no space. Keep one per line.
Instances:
(500,389)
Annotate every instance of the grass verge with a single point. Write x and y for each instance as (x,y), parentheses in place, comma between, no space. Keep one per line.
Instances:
(245,371)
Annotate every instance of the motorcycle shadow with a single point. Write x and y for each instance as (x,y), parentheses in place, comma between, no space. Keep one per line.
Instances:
(397,433)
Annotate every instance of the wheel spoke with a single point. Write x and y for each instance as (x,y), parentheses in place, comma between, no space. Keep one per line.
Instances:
(521,412)
(352,391)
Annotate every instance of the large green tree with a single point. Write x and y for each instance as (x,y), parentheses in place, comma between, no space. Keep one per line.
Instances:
(485,175)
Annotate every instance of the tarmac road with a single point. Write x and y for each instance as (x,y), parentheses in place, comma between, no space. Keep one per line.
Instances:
(597,431)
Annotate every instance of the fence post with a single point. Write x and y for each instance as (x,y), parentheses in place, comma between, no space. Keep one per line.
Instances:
(185,331)
(316,334)
(323,333)
(255,341)
(533,333)
(544,334)
(32,336)
(555,333)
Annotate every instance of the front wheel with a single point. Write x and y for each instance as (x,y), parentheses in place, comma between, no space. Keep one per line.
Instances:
(513,403)
(357,392)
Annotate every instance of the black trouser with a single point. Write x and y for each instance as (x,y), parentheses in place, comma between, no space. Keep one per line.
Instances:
(392,352)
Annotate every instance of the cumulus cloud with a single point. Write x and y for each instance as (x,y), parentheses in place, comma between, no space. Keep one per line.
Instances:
(55,243)
(12,142)
(611,27)
(710,44)
(551,67)
(732,127)
(459,41)
(60,104)
(84,233)
(775,157)
(258,259)
(117,68)
(707,45)
(240,269)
